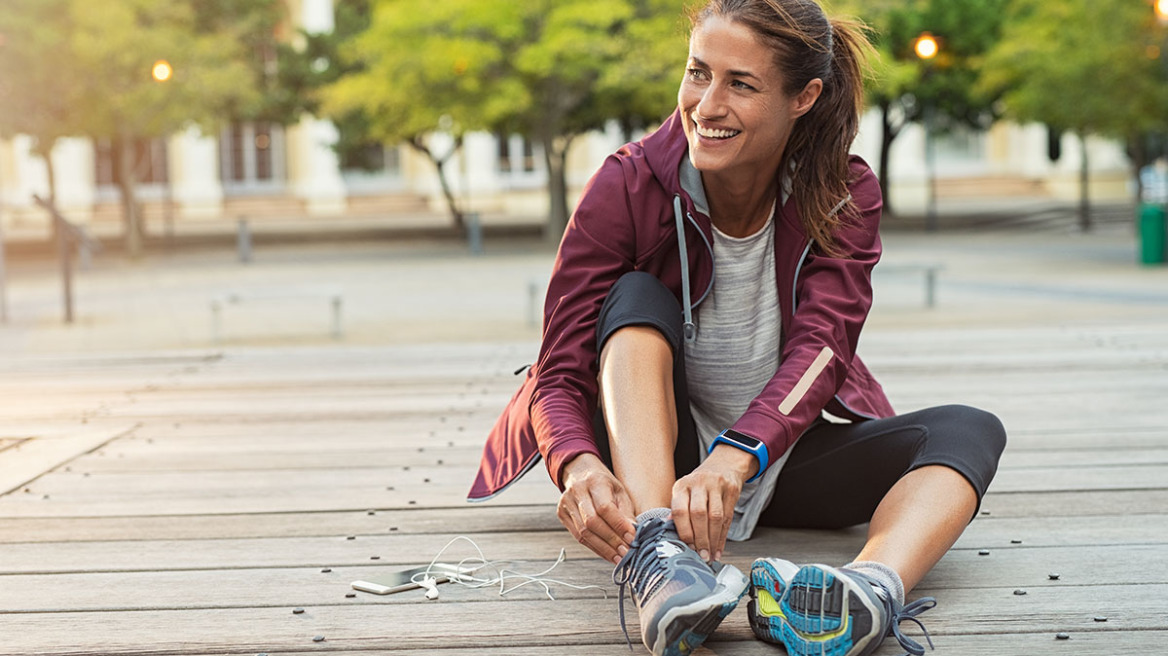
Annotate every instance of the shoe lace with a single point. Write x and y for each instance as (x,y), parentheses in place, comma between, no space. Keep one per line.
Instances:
(909,612)
(640,567)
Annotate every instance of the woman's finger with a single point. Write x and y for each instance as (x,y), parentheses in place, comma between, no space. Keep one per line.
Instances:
(699,519)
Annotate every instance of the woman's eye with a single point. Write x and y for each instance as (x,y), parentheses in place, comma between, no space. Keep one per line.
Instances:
(739,84)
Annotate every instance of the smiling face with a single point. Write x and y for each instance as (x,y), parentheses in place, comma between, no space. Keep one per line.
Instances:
(737,116)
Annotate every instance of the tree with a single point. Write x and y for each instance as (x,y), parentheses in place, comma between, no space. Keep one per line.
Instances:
(547,69)
(88,71)
(1082,66)
(38,85)
(905,89)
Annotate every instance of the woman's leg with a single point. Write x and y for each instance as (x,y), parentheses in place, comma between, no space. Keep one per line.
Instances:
(643,426)
(917,478)
(636,399)
(919,519)
(647,442)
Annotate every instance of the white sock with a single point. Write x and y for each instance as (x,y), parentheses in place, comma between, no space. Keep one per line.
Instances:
(653,513)
(883,574)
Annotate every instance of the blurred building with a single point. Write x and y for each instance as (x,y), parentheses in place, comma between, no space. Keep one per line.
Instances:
(268,171)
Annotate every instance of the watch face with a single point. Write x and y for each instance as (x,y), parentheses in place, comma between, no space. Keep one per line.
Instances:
(745,440)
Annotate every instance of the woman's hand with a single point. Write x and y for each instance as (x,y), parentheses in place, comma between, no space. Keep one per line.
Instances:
(703,501)
(595,508)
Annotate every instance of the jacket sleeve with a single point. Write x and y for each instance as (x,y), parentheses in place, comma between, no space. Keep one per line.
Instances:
(832,299)
(597,249)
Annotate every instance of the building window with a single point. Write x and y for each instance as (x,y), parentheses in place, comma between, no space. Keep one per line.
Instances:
(516,154)
(251,157)
(149,162)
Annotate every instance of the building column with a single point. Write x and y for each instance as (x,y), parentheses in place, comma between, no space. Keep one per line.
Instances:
(314,169)
(193,159)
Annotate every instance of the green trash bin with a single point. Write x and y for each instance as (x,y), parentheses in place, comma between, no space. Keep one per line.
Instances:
(1152,234)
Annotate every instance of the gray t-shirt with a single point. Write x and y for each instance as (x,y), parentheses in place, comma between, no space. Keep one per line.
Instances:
(736,353)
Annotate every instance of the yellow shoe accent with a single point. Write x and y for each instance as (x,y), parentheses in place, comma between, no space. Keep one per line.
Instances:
(767,604)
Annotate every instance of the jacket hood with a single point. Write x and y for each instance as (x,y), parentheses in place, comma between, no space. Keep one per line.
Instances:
(664,150)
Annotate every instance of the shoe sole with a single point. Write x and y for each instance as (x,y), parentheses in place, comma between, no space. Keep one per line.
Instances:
(681,630)
(768,582)
(821,612)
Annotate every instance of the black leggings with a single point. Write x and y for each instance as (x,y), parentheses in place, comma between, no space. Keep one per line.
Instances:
(837,473)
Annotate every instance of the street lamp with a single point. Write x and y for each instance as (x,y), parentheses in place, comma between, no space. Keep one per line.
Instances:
(926,45)
(161,71)
(926,48)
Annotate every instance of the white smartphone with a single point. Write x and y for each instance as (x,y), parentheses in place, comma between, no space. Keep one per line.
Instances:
(403,580)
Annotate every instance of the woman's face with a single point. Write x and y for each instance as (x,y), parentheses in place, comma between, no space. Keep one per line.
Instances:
(735,112)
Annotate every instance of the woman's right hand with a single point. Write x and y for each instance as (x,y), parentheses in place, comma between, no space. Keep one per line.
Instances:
(596,509)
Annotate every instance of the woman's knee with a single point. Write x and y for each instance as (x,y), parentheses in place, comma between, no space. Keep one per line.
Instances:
(639,300)
(983,426)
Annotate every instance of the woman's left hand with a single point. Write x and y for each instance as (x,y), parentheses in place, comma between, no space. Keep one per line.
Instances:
(703,501)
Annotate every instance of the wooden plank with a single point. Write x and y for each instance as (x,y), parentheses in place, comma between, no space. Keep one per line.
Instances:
(469,520)
(1071,518)
(129,456)
(1075,503)
(176,589)
(31,458)
(510,624)
(206,492)
(405,548)
(1123,477)
(1081,643)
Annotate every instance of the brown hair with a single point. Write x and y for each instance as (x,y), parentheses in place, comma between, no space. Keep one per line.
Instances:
(808,45)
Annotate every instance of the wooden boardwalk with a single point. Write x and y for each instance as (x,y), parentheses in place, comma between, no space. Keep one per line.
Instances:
(189,502)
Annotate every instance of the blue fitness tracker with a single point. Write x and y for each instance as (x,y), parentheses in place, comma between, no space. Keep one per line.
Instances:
(746,443)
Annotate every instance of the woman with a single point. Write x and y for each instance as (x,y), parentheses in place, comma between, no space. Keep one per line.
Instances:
(701,318)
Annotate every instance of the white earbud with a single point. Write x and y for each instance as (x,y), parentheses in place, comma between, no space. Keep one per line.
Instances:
(431,587)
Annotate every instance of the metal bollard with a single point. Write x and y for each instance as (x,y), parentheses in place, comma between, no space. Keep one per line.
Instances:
(532,304)
(243,242)
(474,233)
(3,283)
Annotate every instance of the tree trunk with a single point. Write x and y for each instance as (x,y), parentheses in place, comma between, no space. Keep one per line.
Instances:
(440,166)
(127,185)
(887,135)
(1084,179)
(555,151)
(46,153)
(1137,153)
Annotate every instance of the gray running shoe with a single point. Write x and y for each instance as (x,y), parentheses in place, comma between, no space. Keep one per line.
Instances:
(823,611)
(681,599)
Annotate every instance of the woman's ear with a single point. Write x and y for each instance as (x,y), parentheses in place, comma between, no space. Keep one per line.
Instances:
(807,97)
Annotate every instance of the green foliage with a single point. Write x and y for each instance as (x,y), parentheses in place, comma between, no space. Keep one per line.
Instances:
(1082,66)
(547,69)
(38,85)
(74,67)
(965,31)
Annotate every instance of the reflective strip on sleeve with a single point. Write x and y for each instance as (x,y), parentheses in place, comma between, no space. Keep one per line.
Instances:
(800,389)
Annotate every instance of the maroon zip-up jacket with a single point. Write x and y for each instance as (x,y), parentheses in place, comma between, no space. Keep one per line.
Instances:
(626,221)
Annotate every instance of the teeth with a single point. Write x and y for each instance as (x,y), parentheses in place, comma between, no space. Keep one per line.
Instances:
(715,134)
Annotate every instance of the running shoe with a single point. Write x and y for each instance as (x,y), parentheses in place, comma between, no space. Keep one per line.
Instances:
(681,599)
(824,611)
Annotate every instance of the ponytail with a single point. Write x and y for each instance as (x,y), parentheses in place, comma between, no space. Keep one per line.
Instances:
(822,139)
